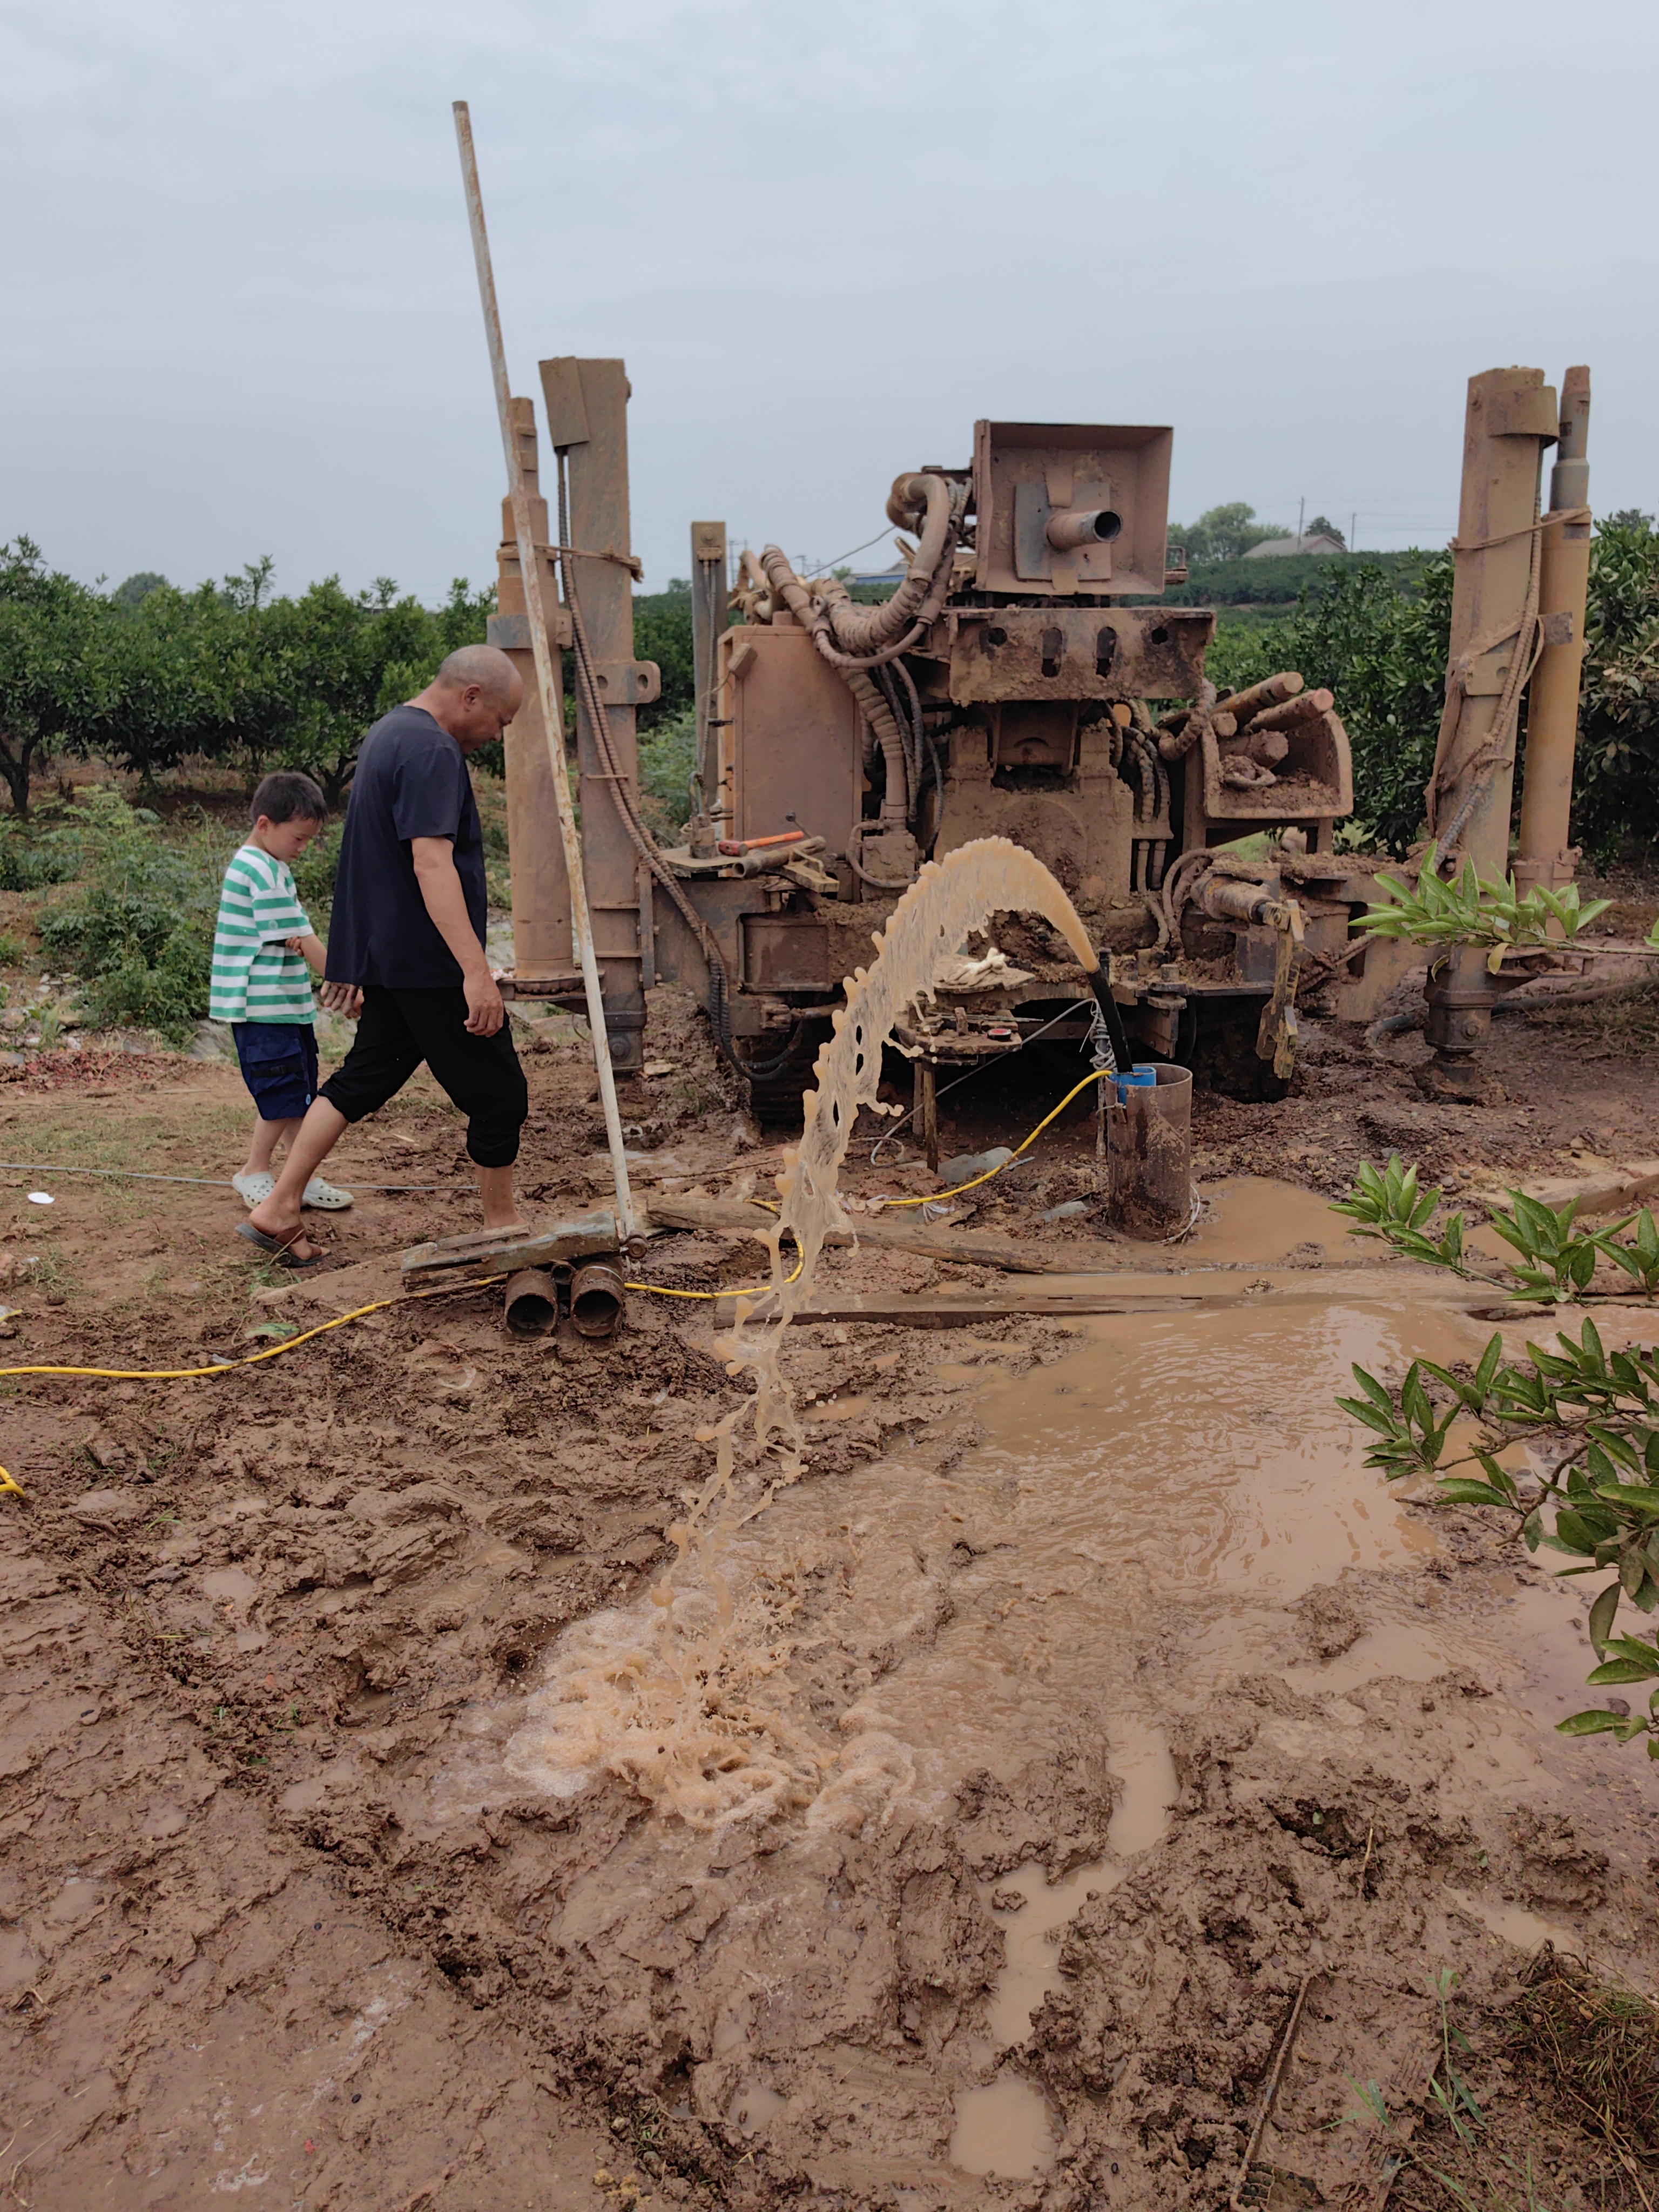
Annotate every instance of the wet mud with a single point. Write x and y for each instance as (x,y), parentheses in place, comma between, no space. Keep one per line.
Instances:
(1078,1700)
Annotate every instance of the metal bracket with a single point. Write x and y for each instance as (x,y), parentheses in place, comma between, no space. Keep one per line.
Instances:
(511,633)
(629,682)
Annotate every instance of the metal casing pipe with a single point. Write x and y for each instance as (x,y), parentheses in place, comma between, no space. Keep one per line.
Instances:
(531,1307)
(597,1297)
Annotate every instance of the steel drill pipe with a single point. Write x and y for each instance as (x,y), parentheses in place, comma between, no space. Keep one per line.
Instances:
(1272,691)
(597,1299)
(1306,709)
(531,1304)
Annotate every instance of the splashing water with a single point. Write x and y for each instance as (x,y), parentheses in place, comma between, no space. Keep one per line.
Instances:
(694,1709)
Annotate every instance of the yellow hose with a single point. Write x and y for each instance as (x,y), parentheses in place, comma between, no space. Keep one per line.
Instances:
(482,1282)
(1094,1075)
(253,1358)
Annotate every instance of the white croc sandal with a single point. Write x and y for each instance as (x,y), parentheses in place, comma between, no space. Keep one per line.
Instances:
(253,1189)
(324,1195)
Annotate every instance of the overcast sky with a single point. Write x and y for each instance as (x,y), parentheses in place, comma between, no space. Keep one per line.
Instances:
(241,316)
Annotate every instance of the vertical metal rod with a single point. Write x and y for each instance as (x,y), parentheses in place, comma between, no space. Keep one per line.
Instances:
(581,927)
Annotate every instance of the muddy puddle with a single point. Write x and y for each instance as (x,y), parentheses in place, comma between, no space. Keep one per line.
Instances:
(1133,1526)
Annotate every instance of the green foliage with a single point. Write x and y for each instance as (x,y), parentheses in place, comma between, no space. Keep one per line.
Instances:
(1617,779)
(1469,910)
(668,756)
(138,932)
(313,874)
(145,679)
(1556,1260)
(1225,532)
(1588,1418)
(53,679)
(137,588)
(1285,579)
(1375,631)
(662,633)
(27,864)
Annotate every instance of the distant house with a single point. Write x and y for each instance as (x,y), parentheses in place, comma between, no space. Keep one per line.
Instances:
(1279,548)
(895,575)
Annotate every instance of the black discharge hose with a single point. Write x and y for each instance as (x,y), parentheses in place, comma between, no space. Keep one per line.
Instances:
(1116,1035)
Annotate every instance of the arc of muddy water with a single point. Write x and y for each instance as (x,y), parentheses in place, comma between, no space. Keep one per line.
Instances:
(699,1717)
(948,899)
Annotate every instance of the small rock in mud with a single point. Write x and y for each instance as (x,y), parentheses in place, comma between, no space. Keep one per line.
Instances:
(1007,1900)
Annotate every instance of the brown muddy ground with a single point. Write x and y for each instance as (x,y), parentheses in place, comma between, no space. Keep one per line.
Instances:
(1100,1629)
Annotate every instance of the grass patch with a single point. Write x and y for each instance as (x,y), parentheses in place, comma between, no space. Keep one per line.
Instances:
(1595,2048)
(1623,1026)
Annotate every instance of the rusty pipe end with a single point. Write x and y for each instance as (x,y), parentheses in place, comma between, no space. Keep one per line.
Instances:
(597,1297)
(532,1306)
(910,496)
(1069,527)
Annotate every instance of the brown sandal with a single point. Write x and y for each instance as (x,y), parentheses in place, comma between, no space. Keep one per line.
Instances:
(276,1249)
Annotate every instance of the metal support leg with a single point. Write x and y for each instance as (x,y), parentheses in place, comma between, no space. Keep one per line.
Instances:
(925,1114)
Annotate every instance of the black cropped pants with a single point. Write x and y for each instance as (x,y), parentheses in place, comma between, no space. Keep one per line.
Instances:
(399,1030)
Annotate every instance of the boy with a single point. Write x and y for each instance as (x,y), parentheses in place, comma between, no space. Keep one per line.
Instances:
(263,946)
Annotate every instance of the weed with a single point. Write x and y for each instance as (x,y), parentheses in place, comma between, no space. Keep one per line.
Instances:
(1471,911)
(1599,2048)
(28,864)
(13,950)
(139,933)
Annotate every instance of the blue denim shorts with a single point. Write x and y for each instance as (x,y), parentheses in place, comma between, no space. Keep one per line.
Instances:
(278,1061)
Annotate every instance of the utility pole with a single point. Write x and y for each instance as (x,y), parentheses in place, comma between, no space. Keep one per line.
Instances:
(1301,517)
(1353,534)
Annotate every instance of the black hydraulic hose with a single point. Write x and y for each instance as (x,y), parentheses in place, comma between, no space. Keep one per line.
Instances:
(1116,1035)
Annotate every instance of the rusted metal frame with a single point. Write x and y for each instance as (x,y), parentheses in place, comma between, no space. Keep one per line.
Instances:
(591,397)
(552,717)
(541,898)
(1510,418)
(1553,699)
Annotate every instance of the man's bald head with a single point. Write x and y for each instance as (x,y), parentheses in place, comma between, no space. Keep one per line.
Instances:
(483,666)
(474,696)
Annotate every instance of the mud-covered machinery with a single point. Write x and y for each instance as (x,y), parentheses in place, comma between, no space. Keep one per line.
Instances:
(1022,681)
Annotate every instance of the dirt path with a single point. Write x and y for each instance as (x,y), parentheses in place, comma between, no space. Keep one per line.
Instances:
(285,1719)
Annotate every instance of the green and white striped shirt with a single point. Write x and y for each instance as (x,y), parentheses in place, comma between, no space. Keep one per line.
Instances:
(255,977)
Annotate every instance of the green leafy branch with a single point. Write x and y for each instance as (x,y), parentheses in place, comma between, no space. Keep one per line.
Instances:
(1469,910)
(1556,1261)
(1587,1417)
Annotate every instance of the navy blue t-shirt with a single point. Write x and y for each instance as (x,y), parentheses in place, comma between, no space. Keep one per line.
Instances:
(410,781)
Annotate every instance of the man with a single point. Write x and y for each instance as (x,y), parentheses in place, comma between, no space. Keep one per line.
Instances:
(408,932)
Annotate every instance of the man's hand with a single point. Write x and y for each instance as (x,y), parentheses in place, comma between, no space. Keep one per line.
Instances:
(342,999)
(484,1011)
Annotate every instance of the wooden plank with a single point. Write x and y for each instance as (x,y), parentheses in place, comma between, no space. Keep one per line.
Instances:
(921,1309)
(504,1251)
(962,1248)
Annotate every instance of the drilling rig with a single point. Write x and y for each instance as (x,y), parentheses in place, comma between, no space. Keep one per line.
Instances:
(1023,681)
